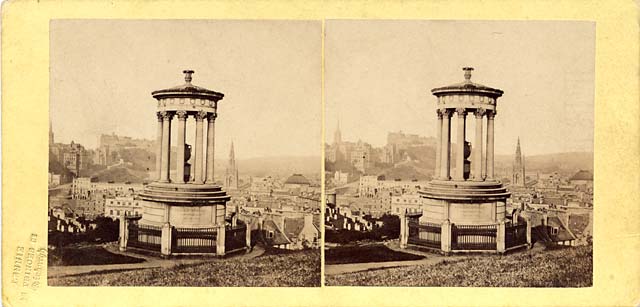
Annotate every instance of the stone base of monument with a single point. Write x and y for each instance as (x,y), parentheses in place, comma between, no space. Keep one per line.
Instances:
(184,219)
(463,216)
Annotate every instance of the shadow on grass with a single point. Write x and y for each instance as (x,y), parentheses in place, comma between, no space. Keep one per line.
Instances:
(365,254)
(88,255)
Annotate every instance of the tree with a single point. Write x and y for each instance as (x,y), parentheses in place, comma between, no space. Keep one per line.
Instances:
(107,230)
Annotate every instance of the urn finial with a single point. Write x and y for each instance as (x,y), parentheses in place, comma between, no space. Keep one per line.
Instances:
(467,73)
(187,75)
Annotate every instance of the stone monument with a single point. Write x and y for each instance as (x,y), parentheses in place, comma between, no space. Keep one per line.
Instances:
(184,213)
(463,207)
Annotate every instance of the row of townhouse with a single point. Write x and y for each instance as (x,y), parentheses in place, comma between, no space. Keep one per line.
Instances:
(86,188)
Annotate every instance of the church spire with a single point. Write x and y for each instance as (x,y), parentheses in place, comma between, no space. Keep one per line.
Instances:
(231,176)
(232,156)
(51,140)
(337,137)
(518,167)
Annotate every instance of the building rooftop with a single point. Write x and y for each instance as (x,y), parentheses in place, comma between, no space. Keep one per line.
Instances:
(564,234)
(293,227)
(582,175)
(468,87)
(279,237)
(187,90)
(297,179)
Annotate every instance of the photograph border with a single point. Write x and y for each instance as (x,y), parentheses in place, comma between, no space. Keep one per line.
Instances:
(25,93)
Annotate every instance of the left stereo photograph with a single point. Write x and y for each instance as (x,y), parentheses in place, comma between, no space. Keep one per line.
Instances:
(185,153)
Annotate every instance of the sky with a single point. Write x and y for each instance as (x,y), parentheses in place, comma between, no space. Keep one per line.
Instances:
(103,72)
(378,77)
(379,74)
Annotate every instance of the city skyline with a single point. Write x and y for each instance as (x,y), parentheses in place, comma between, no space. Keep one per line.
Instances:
(269,71)
(379,75)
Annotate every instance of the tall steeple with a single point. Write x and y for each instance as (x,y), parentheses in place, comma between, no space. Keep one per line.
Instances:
(337,137)
(518,167)
(231,176)
(51,140)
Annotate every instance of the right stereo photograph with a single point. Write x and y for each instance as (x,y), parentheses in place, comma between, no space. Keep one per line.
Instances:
(459,153)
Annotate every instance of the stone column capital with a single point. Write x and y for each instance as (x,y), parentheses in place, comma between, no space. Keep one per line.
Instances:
(480,112)
(440,113)
(212,117)
(491,114)
(160,116)
(166,115)
(200,116)
(182,115)
(461,112)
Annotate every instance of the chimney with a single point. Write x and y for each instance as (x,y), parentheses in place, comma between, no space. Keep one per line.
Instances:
(331,197)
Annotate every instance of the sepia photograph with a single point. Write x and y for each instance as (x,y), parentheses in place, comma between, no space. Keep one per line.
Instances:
(185,153)
(459,153)
(320,153)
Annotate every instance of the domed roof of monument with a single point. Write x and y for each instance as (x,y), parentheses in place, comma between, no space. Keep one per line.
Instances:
(582,175)
(187,90)
(297,179)
(468,87)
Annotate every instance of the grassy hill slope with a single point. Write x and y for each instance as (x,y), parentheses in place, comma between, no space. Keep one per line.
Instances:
(562,267)
(292,269)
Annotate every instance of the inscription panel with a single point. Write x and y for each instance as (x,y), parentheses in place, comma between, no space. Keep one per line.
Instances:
(472,213)
(191,216)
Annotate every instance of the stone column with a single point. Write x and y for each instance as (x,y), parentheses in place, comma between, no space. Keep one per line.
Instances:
(159,147)
(247,237)
(403,230)
(529,239)
(477,157)
(500,237)
(438,143)
(124,234)
(211,132)
(446,135)
(445,236)
(199,146)
(165,241)
(459,175)
(220,240)
(490,116)
(182,127)
(406,232)
(166,146)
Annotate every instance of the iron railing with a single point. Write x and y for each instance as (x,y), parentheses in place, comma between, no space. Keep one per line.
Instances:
(473,237)
(424,234)
(145,236)
(193,240)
